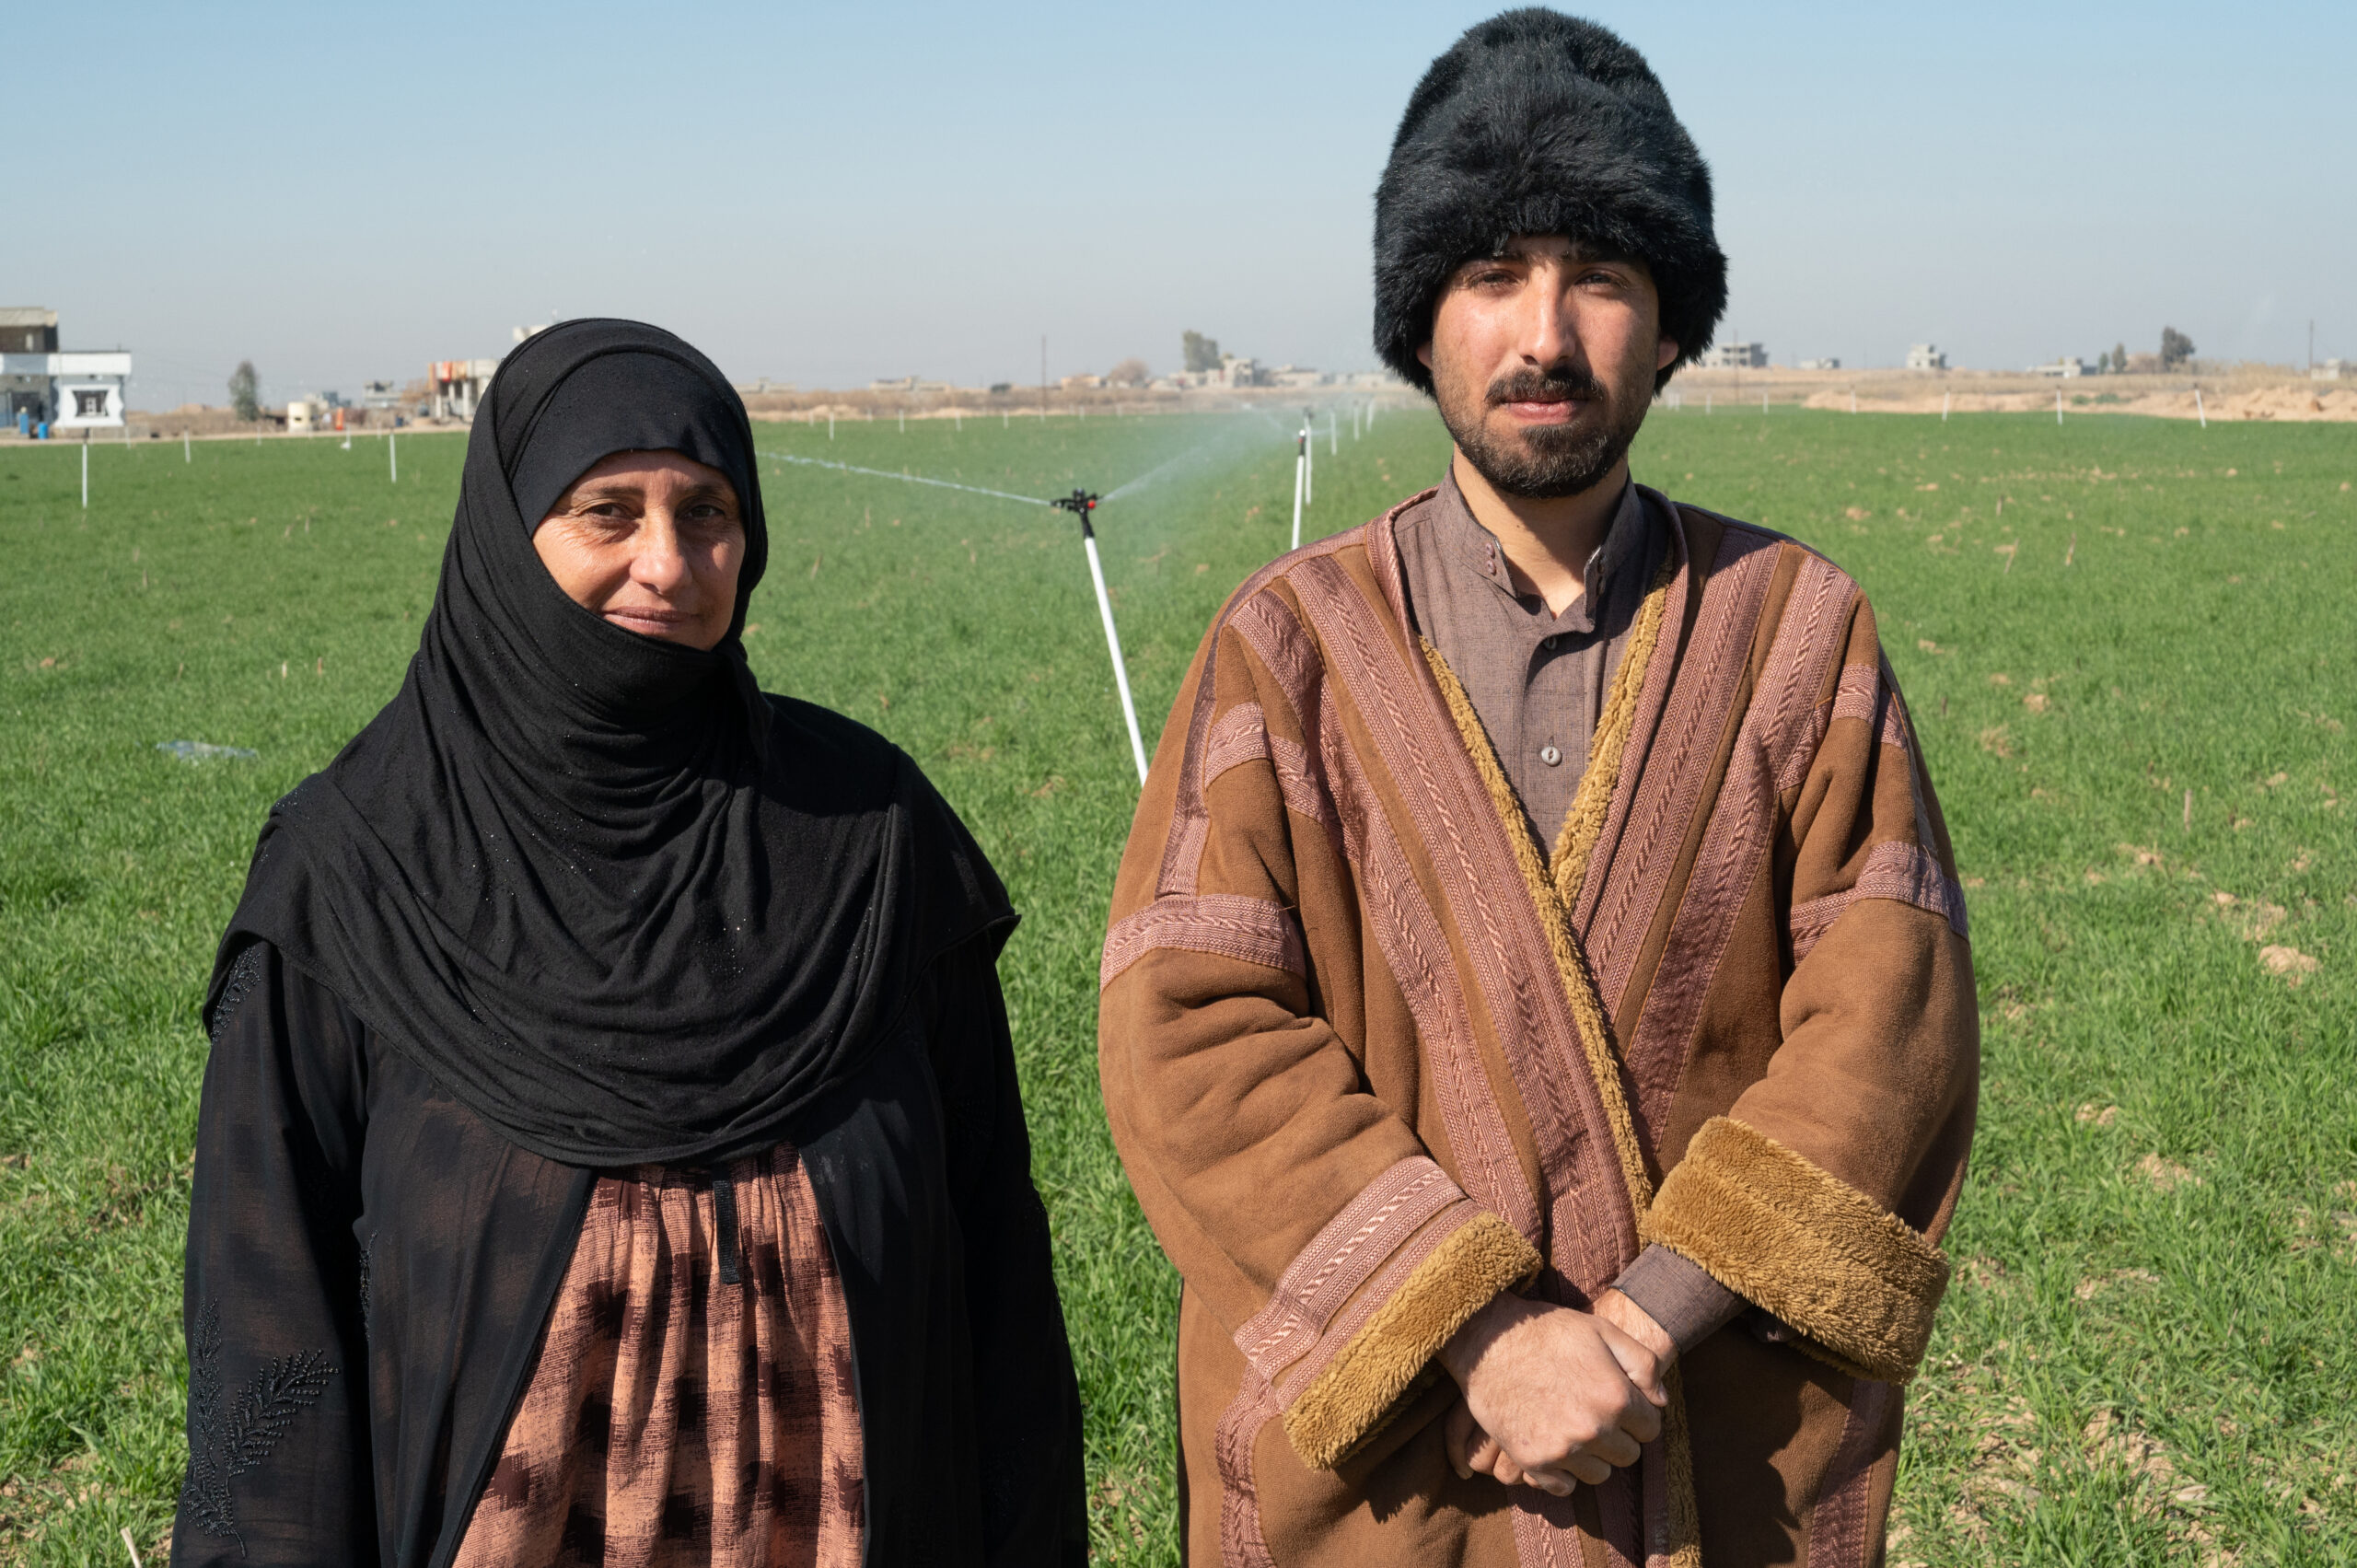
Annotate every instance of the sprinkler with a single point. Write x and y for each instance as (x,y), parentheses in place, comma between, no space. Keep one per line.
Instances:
(1080,503)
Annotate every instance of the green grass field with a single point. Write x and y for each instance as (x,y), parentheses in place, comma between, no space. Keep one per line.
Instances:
(2134,681)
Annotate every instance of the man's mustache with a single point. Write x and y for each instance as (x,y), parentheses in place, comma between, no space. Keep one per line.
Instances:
(1568,385)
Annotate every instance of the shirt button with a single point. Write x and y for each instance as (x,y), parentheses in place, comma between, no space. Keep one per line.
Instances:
(1550,756)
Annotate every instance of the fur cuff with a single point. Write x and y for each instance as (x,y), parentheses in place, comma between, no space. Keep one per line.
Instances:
(1819,1254)
(1350,1401)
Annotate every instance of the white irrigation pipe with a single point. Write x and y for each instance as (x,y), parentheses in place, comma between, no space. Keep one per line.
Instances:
(86,474)
(1300,462)
(1113,646)
(392,459)
(1310,468)
(186,455)
(1333,432)
(2057,405)
(2198,412)
(1945,398)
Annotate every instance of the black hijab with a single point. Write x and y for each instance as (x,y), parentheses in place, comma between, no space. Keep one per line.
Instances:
(603,890)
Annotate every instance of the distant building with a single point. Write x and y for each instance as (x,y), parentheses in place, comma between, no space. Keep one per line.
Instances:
(1926,356)
(380,395)
(1820,365)
(27,328)
(458,386)
(1295,375)
(1736,356)
(2334,370)
(2066,368)
(68,388)
(761,385)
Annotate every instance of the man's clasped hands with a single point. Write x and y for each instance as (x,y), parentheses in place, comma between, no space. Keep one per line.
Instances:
(1549,1395)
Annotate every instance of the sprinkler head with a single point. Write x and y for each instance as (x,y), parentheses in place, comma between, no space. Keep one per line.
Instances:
(1080,503)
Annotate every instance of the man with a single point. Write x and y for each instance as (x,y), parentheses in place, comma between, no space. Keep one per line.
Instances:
(1537,1016)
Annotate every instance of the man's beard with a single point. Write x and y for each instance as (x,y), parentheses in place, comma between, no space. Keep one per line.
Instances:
(1543,461)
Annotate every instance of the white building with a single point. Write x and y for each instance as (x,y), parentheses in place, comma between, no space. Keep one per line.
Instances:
(68,390)
(2066,368)
(459,386)
(1736,356)
(1820,365)
(2334,370)
(1926,356)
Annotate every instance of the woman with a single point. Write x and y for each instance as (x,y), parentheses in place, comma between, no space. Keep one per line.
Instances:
(611,1150)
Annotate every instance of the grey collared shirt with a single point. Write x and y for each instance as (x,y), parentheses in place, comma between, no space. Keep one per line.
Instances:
(1539,680)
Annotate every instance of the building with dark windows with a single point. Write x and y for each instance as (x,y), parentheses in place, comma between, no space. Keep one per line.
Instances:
(65,389)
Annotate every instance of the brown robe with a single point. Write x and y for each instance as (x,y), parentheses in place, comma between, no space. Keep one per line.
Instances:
(1372,1053)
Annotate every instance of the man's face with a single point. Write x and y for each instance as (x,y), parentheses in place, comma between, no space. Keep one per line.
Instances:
(1543,361)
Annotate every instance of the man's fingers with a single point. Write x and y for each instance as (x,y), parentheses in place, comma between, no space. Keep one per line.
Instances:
(1641,1421)
(1552,1483)
(1589,1468)
(1456,1437)
(1615,1447)
(1485,1453)
(1639,1365)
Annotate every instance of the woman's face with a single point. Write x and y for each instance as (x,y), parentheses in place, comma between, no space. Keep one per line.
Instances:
(652,542)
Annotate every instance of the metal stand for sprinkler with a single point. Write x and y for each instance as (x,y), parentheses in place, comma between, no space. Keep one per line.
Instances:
(1300,466)
(1080,503)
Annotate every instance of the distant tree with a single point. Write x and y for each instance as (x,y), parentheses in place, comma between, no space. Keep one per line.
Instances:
(2118,358)
(2176,348)
(1200,351)
(1131,372)
(245,390)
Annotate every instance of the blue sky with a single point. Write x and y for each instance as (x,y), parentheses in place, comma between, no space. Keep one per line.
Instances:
(823,196)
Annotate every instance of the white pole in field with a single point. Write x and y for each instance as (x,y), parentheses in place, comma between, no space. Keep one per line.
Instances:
(830,424)
(1944,399)
(186,455)
(904,422)
(1764,402)
(1333,432)
(86,473)
(1853,400)
(1310,468)
(1113,645)
(1300,462)
(2057,405)
(2198,410)
(957,421)
(1002,419)
(392,459)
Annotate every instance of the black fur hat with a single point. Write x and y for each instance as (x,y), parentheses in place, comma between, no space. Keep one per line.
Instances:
(1536,122)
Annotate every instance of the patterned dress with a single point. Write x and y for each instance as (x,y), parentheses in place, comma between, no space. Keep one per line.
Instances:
(693,1401)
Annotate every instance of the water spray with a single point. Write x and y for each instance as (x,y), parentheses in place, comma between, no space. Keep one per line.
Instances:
(906,478)
(1080,503)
